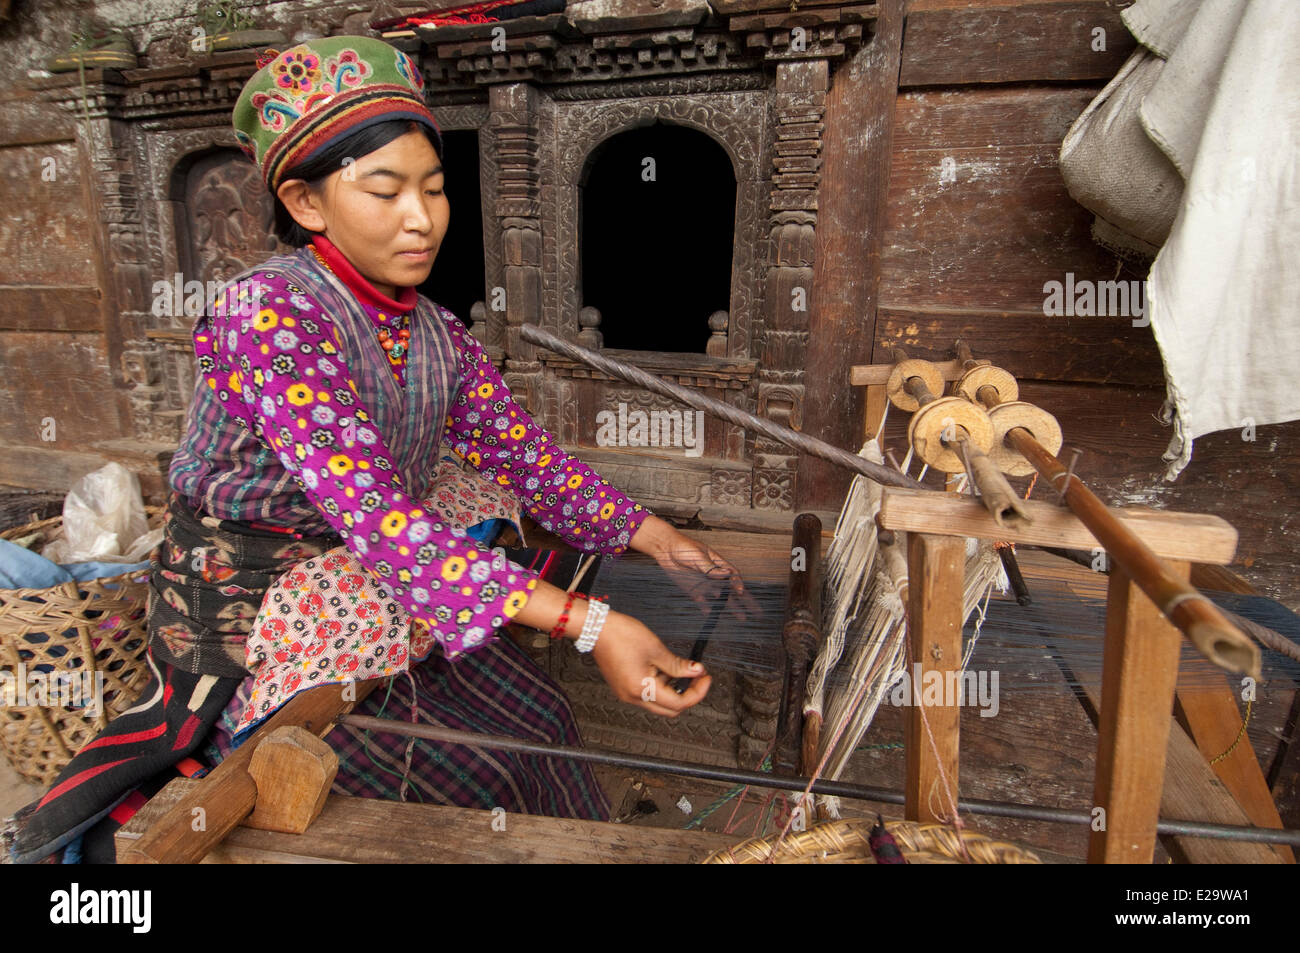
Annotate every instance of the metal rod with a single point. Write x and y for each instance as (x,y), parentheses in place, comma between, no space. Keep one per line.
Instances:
(634,375)
(1027,812)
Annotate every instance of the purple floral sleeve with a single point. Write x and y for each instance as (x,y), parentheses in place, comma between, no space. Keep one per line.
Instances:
(276,365)
(488,428)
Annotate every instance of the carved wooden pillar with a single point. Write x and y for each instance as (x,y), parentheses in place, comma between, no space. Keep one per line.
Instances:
(107,149)
(514,122)
(799,98)
(851,217)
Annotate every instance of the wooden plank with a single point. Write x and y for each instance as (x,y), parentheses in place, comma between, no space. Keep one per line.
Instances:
(1014,43)
(935,565)
(1188,536)
(1191,791)
(41,309)
(1139,670)
(853,198)
(986,118)
(986,228)
(1097,351)
(978,214)
(871,375)
(49,213)
(876,401)
(1210,716)
(27,120)
(72,384)
(1122,440)
(373,831)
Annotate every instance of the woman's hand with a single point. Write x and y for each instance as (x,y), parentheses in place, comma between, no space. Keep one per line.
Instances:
(695,568)
(640,668)
(637,666)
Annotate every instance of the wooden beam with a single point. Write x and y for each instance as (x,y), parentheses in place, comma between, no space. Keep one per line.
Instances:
(872,375)
(1186,536)
(1014,43)
(1192,792)
(1240,772)
(359,830)
(1210,716)
(801,635)
(1100,351)
(936,566)
(852,198)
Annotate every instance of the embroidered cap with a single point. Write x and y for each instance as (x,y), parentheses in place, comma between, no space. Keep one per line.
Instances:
(311,95)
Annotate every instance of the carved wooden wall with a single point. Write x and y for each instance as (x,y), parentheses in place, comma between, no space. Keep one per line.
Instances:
(831,263)
(190,204)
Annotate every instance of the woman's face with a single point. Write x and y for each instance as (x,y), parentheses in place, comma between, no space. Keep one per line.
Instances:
(378,208)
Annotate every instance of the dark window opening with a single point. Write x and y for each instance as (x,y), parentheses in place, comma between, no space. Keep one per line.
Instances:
(457,279)
(656,251)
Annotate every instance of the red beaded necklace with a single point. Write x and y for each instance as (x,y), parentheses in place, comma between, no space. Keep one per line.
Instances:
(396,348)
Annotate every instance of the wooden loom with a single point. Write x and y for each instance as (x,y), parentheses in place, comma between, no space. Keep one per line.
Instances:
(279,780)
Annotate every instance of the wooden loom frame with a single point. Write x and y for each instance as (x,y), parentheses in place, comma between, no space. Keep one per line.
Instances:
(279,780)
(1134,725)
(286,789)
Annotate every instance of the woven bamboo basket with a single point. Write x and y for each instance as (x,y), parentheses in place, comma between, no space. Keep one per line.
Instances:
(845,842)
(79,631)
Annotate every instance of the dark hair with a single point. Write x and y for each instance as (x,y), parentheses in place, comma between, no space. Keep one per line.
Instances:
(329,160)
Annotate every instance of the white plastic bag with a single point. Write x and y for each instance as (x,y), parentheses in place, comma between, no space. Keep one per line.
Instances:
(104,520)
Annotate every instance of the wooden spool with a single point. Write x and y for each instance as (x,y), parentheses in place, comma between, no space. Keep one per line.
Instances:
(896,386)
(926,431)
(987,375)
(1037,421)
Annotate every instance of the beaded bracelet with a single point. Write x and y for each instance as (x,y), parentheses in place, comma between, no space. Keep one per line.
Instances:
(564,616)
(564,619)
(595,621)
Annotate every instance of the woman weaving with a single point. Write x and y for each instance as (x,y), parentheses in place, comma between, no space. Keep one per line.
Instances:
(311,537)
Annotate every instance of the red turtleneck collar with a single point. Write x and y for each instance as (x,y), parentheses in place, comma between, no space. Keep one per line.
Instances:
(362,288)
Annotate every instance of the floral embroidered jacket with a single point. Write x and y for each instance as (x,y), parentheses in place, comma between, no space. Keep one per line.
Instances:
(294,425)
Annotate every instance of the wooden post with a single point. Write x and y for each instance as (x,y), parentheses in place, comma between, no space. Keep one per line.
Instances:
(851,202)
(1139,675)
(936,568)
(877,400)
(800,636)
